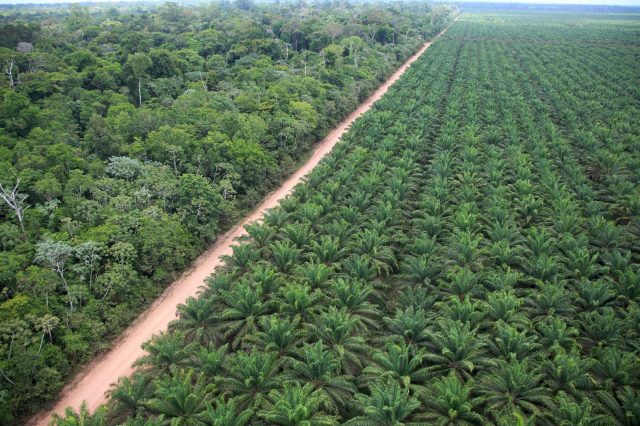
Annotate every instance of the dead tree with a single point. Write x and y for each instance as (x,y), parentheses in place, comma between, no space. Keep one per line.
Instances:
(16,202)
(8,70)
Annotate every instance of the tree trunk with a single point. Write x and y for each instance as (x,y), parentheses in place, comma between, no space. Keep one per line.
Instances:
(21,222)
(140,92)
(66,287)
(11,346)
(5,376)
(33,369)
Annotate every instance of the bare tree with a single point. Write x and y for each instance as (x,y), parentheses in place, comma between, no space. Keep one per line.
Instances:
(24,47)
(55,255)
(333,29)
(16,202)
(8,70)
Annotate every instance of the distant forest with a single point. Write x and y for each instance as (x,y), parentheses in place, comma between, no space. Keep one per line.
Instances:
(488,6)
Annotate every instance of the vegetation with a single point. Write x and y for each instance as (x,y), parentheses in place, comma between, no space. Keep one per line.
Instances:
(467,255)
(130,137)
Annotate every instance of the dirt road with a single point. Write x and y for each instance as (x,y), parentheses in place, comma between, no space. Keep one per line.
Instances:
(94,380)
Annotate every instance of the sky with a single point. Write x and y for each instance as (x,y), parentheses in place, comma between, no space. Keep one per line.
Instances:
(588,2)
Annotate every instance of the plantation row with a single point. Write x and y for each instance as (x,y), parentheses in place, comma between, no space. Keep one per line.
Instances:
(467,255)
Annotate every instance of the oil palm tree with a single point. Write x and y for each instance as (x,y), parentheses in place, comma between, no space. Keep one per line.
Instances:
(243,257)
(514,386)
(197,320)
(320,368)
(431,224)
(409,324)
(425,245)
(456,346)
(449,401)
(462,282)
(338,229)
(360,199)
(627,285)
(81,418)
(280,335)
(614,368)
(593,295)
(421,269)
(267,277)
(338,331)
(581,263)
(354,295)
(360,267)
(418,297)
(603,233)
(505,306)
(507,342)
(260,234)
(140,420)
(377,248)
(505,254)
(314,274)
(310,213)
(244,307)
(165,351)
(351,214)
(388,404)
(544,267)
(386,214)
(464,249)
(216,283)
(181,398)
(568,372)
(251,376)
(399,362)
(276,217)
(465,311)
(550,300)
(129,393)
(503,229)
(299,234)
(223,413)
(285,255)
(296,405)
(568,412)
(210,360)
(600,328)
(622,406)
(554,332)
(300,301)
(502,279)
(327,249)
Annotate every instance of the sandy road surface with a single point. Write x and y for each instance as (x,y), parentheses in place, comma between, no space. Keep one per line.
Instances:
(95,379)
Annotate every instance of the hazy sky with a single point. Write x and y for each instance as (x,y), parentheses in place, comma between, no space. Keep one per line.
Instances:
(589,2)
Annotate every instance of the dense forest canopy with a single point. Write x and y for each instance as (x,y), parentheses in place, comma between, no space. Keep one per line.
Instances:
(132,135)
(468,255)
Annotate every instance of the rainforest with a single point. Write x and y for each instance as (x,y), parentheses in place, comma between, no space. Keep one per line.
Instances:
(468,253)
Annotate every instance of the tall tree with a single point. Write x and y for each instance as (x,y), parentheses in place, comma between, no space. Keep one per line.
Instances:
(139,63)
